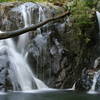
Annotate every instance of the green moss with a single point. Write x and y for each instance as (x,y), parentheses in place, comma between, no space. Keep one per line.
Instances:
(82,15)
(91,3)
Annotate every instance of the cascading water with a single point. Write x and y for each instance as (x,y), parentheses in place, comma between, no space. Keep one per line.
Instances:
(92,90)
(97,73)
(73,87)
(25,80)
(20,69)
(25,10)
(98,17)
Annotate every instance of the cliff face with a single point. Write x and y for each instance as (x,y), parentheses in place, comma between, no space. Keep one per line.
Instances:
(43,48)
(57,52)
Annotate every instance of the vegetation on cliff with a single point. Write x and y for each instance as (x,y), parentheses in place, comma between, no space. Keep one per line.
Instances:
(80,35)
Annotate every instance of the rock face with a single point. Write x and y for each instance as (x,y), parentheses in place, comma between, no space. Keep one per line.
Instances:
(53,52)
(5,82)
(90,78)
(43,49)
(3,70)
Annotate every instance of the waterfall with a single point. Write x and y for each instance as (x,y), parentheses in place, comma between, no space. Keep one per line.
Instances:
(73,87)
(20,72)
(1,32)
(92,90)
(98,17)
(26,10)
(20,69)
(96,74)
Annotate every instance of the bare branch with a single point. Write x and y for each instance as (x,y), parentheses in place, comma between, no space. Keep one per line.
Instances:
(11,34)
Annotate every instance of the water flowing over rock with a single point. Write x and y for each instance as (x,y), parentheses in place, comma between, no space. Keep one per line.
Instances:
(90,78)
(18,71)
(54,53)
(43,48)
(98,17)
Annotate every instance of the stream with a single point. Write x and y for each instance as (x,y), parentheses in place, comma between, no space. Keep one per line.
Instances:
(49,95)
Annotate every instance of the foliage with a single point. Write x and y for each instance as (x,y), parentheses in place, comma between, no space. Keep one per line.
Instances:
(82,13)
(91,3)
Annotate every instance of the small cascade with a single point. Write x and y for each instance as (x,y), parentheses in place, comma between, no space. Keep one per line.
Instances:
(26,10)
(73,87)
(40,84)
(96,63)
(41,14)
(1,32)
(98,17)
(92,90)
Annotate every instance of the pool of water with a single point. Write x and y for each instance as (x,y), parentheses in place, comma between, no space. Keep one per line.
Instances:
(48,95)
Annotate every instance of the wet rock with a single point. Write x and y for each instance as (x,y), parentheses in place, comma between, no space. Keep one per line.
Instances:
(44,49)
(54,52)
(97,87)
(86,81)
(4,67)
(89,77)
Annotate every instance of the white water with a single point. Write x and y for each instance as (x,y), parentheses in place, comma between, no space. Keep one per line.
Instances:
(92,90)
(18,64)
(20,69)
(96,63)
(96,75)
(1,32)
(26,10)
(98,17)
(41,14)
(73,87)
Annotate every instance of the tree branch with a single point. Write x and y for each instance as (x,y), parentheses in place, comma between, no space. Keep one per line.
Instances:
(11,34)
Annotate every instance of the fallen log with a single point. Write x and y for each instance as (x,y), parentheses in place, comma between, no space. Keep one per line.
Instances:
(11,34)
